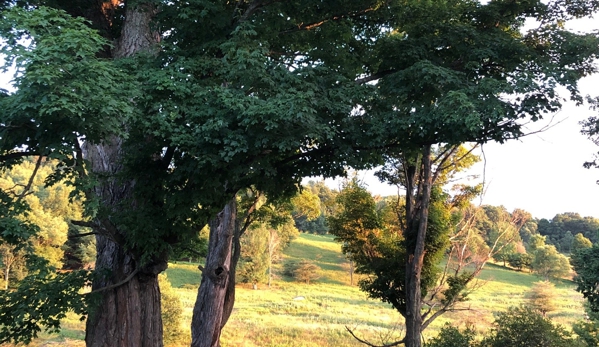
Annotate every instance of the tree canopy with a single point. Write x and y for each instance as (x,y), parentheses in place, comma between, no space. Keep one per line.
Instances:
(159,112)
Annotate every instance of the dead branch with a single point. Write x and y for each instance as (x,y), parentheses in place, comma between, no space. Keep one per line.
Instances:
(396,343)
(116,285)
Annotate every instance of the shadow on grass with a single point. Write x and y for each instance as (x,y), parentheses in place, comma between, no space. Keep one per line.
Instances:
(181,274)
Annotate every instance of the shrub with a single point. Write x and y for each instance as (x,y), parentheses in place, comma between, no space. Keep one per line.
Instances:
(306,271)
(542,296)
(172,311)
(452,337)
(525,327)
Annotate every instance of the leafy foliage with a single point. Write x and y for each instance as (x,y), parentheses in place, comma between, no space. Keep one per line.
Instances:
(549,263)
(524,327)
(586,265)
(42,299)
(379,249)
(306,271)
(450,336)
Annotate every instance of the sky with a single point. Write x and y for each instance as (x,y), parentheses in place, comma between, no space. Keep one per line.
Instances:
(540,173)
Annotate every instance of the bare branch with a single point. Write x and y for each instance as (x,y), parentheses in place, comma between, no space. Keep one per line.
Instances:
(116,285)
(31,179)
(396,343)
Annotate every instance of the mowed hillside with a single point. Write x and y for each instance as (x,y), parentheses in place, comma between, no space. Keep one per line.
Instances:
(293,314)
(317,314)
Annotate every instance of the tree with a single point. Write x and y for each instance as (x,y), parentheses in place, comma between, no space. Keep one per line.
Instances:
(255,255)
(172,311)
(580,242)
(172,121)
(549,263)
(586,264)
(306,271)
(50,211)
(176,119)
(520,260)
(436,87)
(450,336)
(558,227)
(542,296)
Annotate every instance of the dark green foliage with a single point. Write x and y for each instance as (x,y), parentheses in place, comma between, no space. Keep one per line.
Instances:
(523,327)
(588,332)
(450,336)
(559,229)
(586,264)
(520,261)
(42,299)
(380,251)
(316,226)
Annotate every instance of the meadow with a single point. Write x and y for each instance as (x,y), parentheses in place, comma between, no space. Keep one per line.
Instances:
(294,314)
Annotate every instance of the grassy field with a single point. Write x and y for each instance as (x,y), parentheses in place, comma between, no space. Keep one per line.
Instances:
(295,314)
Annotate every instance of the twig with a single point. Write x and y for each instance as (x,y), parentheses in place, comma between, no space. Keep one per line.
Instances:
(396,343)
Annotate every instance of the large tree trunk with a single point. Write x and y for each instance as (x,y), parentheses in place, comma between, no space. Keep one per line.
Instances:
(216,294)
(127,312)
(415,259)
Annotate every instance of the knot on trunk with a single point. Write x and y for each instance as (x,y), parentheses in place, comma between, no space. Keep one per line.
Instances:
(218,275)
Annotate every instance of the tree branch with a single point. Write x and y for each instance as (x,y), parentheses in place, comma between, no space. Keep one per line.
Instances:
(309,26)
(31,178)
(82,235)
(396,343)
(17,155)
(116,285)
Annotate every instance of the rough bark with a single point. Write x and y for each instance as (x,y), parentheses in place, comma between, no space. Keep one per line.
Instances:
(127,314)
(127,310)
(215,298)
(415,260)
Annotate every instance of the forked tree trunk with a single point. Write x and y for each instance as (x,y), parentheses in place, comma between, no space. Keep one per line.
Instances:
(127,312)
(216,294)
(415,259)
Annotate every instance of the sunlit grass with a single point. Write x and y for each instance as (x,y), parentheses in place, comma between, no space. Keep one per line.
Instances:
(299,315)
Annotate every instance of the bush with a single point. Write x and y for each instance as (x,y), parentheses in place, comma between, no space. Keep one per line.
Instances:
(305,271)
(525,327)
(542,296)
(172,311)
(452,337)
